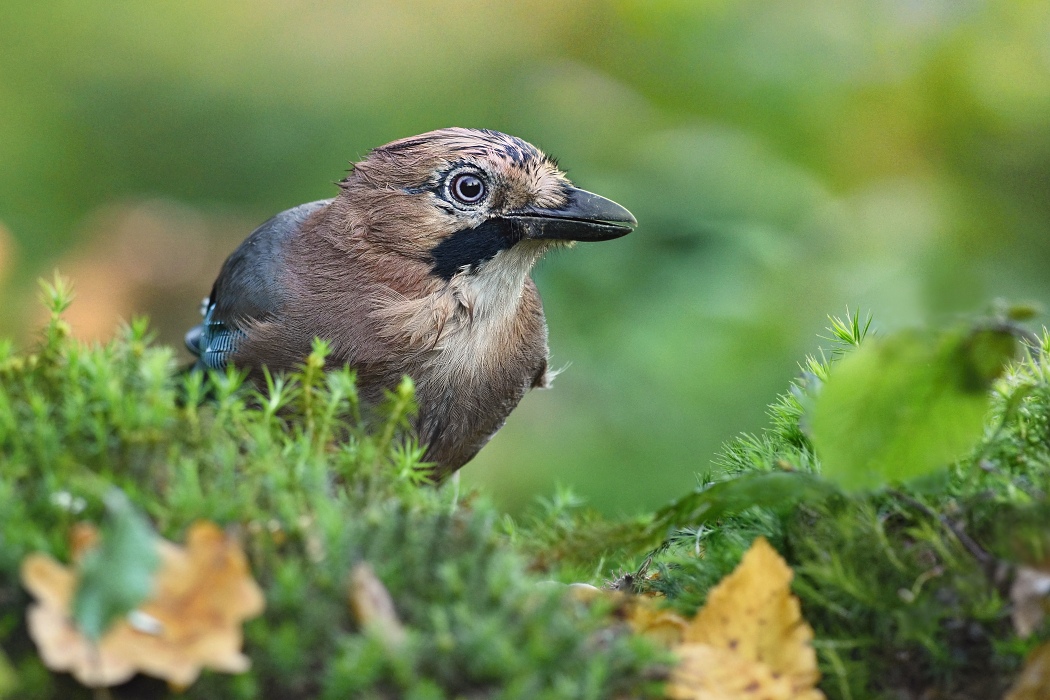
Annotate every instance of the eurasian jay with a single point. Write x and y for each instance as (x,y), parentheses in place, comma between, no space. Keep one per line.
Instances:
(420,267)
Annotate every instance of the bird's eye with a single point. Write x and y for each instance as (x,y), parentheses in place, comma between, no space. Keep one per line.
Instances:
(467,188)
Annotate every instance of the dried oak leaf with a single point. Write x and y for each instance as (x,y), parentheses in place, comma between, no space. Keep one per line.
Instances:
(749,640)
(1034,681)
(192,618)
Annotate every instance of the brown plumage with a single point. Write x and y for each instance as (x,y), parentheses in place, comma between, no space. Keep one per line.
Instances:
(420,267)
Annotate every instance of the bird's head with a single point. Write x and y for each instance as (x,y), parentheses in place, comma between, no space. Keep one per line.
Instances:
(463,200)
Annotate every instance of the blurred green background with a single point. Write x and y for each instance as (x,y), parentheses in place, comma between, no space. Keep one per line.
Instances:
(785,159)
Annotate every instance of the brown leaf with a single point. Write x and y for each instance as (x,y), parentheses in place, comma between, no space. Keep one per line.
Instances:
(372,606)
(62,647)
(192,619)
(1030,594)
(82,538)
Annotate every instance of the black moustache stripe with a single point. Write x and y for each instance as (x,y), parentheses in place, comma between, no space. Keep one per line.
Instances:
(469,248)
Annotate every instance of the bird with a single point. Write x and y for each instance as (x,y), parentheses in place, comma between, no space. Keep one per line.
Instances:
(419,266)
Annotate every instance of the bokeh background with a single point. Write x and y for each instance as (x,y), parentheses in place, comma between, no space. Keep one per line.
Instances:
(785,159)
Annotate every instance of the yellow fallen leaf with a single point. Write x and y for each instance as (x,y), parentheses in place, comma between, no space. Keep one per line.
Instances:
(583,592)
(1034,681)
(192,619)
(664,626)
(710,673)
(749,640)
(638,610)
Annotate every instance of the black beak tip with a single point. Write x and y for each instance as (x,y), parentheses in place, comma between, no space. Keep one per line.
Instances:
(584,217)
(586,205)
(608,230)
(630,222)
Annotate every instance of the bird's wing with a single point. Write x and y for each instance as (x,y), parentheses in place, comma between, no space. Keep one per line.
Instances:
(247,289)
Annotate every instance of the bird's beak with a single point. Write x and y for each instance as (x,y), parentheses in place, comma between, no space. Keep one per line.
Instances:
(584,217)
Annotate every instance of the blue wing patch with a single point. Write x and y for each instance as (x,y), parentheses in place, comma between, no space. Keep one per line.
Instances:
(213,342)
(248,288)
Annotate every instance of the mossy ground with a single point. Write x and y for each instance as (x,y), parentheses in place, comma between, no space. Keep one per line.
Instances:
(905,587)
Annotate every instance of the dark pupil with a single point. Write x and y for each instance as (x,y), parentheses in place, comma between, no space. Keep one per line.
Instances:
(469,188)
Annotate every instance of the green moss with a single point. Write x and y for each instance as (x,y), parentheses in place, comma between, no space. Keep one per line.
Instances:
(313,490)
(905,585)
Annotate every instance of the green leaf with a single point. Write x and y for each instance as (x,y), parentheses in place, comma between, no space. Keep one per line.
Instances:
(902,406)
(117,575)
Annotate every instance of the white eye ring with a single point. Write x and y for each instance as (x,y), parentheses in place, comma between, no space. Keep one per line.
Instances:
(467,188)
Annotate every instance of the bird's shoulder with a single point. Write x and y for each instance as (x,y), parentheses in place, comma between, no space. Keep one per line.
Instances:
(249,287)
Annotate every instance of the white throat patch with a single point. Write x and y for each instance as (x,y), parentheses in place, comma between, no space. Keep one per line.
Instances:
(488,302)
(495,289)
(468,327)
